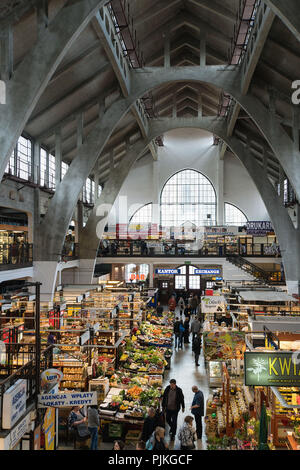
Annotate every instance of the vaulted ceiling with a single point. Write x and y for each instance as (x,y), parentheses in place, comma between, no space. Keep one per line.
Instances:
(86,76)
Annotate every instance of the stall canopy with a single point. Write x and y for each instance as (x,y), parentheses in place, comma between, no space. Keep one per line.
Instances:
(265,296)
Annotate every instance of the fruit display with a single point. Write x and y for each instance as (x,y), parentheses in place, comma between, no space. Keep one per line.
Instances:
(155,335)
(223,345)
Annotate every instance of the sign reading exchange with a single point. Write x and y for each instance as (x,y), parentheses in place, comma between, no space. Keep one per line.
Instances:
(278,369)
(207,271)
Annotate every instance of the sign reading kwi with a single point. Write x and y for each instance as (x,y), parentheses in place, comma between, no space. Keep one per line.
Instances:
(275,368)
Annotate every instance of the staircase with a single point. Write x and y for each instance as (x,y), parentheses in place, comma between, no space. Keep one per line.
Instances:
(243,270)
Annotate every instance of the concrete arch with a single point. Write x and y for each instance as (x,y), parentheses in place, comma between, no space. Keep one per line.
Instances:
(68,190)
(33,74)
(288,236)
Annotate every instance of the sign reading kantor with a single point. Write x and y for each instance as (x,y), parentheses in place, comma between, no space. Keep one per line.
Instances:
(278,369)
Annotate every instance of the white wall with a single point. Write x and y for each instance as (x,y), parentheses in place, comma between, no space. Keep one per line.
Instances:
(240,190)
(190,148)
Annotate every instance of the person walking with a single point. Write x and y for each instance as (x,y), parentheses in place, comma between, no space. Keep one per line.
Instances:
(181,305)
(93,425)
(187,434)
(197,348)
(172,401)
(176,330)
(197,409)
(194,305)
(186,333)
(172,303)
(195,327)
(150,424)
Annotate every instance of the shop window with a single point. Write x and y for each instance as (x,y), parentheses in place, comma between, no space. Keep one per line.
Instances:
(194,282)
(136,273)
(188,196)
(234,216)
(164,285)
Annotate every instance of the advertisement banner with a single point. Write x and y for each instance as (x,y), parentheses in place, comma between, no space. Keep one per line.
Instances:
(50,377)
(14,404)
(65,399)
(274,368)
(49,428)
(211,304)
(18,432)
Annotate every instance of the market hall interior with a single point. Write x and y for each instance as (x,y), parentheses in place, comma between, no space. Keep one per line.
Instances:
(148,152)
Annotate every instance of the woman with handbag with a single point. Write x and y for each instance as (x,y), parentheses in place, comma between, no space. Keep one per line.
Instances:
(77,423)
(187,434)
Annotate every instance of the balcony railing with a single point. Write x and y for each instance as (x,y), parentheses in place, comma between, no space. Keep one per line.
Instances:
(15,255)
(118,248)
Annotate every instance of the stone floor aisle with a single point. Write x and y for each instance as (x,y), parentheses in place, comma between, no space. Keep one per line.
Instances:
(186,374)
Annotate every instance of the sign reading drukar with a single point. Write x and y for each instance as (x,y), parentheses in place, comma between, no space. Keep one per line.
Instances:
(63,399)
(278,369)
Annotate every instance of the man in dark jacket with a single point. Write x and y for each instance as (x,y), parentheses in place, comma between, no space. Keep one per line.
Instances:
(197,348)
(176,331)
(173,400)
(197,409)
(150,424)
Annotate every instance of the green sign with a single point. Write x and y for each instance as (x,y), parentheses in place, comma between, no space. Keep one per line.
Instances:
(187,262)
(274,368)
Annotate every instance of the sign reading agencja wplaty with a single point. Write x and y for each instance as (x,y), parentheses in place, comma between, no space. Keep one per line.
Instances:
(274,368)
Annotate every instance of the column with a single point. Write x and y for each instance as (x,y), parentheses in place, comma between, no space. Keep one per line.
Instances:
(220,173)
(151,280)
(202,50)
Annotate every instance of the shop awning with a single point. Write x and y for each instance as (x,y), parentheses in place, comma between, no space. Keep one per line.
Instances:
(265,296)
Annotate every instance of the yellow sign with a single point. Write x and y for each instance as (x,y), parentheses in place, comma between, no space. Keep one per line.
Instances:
(49,428)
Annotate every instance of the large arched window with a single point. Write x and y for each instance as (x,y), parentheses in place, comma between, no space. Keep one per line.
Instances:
(234,216)
(188,197)
(142,215)
(187,279)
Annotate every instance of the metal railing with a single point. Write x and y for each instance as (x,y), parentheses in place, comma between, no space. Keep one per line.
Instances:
(118,248)
(16,254)
(257,272)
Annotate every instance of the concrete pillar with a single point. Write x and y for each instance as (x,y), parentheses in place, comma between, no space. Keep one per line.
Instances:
(79,221)
(151,272)
(220,193)
(6,53)
(167,49)
(202,50)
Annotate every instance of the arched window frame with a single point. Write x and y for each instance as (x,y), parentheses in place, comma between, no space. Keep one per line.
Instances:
(149,204)
(203,222)
(237,208)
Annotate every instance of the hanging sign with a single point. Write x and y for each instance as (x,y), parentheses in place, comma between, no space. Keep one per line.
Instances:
(207,271)
(167,271)
(211,304)
(65,399)
(14,404)
(273,369)
(51,377)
